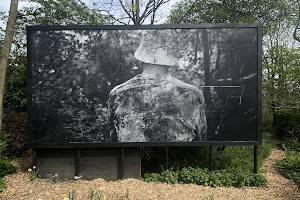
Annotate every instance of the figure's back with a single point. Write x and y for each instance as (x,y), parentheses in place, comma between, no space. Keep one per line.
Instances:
(157,108)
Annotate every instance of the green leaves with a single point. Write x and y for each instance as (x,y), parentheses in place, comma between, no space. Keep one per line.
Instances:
(200,176)
(5,167)
(290,166)
(231,11)
(63,12)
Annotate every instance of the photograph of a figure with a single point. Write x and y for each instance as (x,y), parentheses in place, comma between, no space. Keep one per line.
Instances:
(154,106)
(155,84)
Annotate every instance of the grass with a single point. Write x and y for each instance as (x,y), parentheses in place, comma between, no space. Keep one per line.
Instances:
(232,167)
(290,166)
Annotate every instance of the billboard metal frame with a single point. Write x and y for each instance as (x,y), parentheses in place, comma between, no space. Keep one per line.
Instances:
(256,142)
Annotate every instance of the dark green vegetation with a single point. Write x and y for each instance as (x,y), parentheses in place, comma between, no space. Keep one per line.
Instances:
(281,74)
(62,12)
(290,166)
(5,167)
(232,167)
(281,61)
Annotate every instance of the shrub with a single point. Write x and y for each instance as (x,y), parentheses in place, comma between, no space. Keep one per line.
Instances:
(290,166)
(5,167)
(200,176)
(233,166)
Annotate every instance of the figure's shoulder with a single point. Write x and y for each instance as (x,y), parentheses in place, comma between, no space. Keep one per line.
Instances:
(182,85)
(133,82)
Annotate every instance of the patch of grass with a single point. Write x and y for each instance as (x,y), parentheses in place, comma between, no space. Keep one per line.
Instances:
(54,178)
(92,195)
(290,166)
(232,167)
(201,176)
(5,167)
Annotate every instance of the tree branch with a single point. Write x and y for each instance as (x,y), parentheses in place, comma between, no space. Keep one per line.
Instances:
(188,12)
(127,12)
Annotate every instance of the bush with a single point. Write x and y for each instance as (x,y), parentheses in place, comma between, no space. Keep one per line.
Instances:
(232,167)
(200,176)
(5,167)
(287,123)
(15,125)
(290,166)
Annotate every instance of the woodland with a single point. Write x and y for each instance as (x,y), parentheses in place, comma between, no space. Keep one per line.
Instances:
(280,56)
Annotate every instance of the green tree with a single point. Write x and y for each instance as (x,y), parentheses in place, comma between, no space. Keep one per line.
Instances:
(281,75)
(229,11)
(6,50)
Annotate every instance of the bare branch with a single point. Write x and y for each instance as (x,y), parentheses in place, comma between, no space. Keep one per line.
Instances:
(146,9)
(127,12)
(115,19)
(147,12)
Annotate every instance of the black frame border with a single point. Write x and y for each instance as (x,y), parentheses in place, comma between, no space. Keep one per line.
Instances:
(258,26)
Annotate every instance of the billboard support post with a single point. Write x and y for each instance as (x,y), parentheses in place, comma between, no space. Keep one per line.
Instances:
(255,159)
(167,158)
(210,159)
(77,162)
(122,163)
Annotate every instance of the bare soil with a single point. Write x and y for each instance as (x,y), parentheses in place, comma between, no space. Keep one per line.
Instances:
(20,187)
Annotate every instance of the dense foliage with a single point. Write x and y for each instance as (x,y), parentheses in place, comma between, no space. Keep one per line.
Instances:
(62,12)
(201,176)
(232,167)
(290,166)
(5,167)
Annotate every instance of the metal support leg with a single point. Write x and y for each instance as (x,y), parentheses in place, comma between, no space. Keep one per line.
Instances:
(255,159)
(122,163)
(77,162)
(167,158)
(210,159)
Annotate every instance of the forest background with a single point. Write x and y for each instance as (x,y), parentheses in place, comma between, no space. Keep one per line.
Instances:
(281,53)
(280,19)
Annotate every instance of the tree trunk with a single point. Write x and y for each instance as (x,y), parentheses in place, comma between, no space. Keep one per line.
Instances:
(10,28)
(206,66)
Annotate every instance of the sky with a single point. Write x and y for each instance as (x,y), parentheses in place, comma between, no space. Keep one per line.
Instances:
(5,5)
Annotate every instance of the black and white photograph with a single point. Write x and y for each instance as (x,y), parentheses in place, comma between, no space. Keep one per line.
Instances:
(144,84)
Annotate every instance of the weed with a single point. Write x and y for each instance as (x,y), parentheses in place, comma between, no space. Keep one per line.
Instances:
(127,194)
(290,166)
(54,178)
(33,173)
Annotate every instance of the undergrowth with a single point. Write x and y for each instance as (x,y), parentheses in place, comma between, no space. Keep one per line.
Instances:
(5,167)
(215,178)
(232,167)
(290,166)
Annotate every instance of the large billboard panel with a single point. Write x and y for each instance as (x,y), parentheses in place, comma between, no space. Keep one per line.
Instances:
(155,85)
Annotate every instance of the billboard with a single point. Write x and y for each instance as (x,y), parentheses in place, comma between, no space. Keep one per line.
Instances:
(154,85)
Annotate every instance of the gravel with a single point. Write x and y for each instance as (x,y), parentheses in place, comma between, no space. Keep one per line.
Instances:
(20,187)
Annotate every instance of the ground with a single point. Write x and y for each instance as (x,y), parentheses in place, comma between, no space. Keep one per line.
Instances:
(20,187)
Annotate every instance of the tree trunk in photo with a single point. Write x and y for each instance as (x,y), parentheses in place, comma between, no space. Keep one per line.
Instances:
(10,28)
(206,67)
